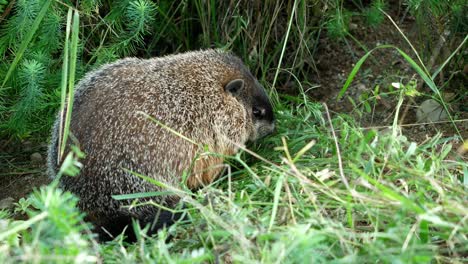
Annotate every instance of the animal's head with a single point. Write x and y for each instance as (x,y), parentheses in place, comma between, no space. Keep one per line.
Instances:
(248,91)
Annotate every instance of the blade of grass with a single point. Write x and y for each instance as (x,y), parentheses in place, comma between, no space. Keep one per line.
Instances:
(304,150)
(407,40)
(23,225)
(27,40)
(168,128)
(140,195)
(356,69)
(64,83)
(148,179)
(71,78)
(279,185)
(395,126)
(449,58)
(293,12)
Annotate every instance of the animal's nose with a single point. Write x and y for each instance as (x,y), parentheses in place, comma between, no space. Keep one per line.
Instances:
(273,128)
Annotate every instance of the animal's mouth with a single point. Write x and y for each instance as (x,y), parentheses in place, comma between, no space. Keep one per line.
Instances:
(263,129)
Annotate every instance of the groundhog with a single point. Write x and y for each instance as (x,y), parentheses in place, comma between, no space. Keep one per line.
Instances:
(209,97)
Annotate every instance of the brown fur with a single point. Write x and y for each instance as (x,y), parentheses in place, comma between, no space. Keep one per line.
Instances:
(186,92)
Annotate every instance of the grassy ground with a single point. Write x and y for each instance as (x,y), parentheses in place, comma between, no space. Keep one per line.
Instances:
(315,192)
(322,189)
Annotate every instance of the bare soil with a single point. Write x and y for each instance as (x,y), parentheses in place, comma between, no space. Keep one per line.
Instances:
(335,60)
(21,168)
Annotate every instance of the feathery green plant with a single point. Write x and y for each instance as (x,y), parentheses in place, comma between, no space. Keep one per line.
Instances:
(138,15)
(338,23)
(35,32)
(373,14)
(54,231)
(31,77)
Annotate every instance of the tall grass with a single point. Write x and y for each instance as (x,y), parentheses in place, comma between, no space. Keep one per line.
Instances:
(68,90)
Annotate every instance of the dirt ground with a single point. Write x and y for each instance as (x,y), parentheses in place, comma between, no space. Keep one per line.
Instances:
(335,60)
(22,164)
(22,168)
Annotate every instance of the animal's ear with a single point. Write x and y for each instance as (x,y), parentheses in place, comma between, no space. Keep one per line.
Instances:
(234,86)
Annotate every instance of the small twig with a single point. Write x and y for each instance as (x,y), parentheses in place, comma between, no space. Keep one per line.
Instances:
(410,235)
(407,41)
(338,153)
(403,115)
(7,10)
(293,13)
(436,51)
(435,55)
(406,110)
(288,191)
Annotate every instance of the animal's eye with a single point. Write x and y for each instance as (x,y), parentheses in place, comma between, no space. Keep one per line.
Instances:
(258,112)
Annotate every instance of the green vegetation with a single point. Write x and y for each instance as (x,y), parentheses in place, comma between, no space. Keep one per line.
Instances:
(322,189)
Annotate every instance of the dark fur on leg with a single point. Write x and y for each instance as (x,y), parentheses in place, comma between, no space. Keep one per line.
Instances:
(115,225)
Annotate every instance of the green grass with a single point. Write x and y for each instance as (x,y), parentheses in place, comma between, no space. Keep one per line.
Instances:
(404,203)
(321,190)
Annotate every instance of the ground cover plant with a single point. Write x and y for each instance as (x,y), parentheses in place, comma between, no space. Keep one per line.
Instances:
(351,175)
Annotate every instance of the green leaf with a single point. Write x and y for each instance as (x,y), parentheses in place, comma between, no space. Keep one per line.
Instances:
(71,78)
(356,69)
(279,185)
(141,195)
